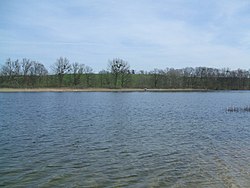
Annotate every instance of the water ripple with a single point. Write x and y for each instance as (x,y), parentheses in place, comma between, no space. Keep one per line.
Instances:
(124,140)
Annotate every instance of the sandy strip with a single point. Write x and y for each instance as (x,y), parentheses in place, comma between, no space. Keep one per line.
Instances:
(95,90)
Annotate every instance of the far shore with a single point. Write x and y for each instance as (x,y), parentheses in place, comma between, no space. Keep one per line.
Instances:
(6,90)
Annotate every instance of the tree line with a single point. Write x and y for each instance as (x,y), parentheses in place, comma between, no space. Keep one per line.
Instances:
(27,73)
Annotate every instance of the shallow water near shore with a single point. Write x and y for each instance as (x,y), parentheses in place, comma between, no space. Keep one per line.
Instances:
(134,139)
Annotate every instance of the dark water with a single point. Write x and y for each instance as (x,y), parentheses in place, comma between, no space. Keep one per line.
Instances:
(124,140)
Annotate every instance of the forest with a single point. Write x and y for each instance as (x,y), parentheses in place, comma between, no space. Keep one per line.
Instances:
(26,73)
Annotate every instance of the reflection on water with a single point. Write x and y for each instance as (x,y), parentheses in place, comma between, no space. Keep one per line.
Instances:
(124,140)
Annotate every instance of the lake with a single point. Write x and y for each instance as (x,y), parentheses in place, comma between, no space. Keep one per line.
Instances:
(124,139)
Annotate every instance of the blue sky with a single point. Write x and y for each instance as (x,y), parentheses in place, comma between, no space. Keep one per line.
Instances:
(147,33)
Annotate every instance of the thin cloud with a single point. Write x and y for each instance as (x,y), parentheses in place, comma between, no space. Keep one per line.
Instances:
(146,33)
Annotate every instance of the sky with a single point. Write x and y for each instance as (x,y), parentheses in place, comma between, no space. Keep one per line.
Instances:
(147,34)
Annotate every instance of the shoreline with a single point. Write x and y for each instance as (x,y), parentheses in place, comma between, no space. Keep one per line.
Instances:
(15,90)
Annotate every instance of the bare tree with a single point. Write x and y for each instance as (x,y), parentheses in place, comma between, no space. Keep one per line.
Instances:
(88,71)
(118,67)
(37,72)
(77,72)
(11,68)
(104,78)
(60,68)
(7,68)
(39,69)
(26,65)
(155,77)
(26,69)
(125,75)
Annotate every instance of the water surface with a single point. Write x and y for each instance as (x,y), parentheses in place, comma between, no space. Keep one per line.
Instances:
(119,139)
